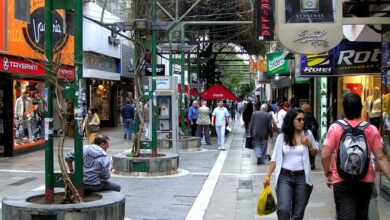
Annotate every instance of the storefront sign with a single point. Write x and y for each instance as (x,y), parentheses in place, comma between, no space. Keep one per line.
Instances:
(316,38)
(309,11)
(264,20)
(16,65)
(358,57)
(277,64)
(163,82)
(317,64)
(26,39)
(160,70)
(3,26)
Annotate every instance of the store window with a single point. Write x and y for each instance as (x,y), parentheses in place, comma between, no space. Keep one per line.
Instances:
(368,88)
(100,93)
(385,183)
(28,113)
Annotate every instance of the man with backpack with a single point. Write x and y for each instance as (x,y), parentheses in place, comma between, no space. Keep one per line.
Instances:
(346,160)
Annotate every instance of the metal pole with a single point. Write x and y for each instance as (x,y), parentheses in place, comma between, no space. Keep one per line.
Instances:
(182,97)
(154,66)
(79,93)
(49,156)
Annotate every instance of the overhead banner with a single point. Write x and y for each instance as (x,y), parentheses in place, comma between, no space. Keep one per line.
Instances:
(358,57)
(264,19)
(310,11)
(160,70)
(3,25)
(276,64)
(26,37)
(317,64)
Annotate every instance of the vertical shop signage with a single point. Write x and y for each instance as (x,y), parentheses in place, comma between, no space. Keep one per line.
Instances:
(264,19)
(276,63)
(3,25)
(358,57)
(317,64)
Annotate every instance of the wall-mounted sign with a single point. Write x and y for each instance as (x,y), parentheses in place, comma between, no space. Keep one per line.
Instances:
(276,63)
(22,66)
(264,19)
(3,26)
(317,64)
(160,70)
(26,39)
(310,11)
(308,26)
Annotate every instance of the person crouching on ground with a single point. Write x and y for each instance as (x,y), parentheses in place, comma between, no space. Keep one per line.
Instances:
(96,166)
(291,163)
(260,129)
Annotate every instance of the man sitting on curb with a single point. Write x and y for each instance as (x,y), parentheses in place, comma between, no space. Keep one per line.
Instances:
(97,166)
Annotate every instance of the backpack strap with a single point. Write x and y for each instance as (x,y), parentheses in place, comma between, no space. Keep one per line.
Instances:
(343,124)
(363,125)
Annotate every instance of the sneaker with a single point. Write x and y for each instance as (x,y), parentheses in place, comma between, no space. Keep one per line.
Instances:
(219,147)
(223,148)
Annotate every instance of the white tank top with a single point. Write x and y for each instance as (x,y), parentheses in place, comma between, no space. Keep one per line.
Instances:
(293,157)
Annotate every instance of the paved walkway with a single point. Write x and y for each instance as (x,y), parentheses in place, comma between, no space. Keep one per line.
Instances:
(210,185)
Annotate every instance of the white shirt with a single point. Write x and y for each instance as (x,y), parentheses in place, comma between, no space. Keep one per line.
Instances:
(220,115)
(293,157)
(281,114)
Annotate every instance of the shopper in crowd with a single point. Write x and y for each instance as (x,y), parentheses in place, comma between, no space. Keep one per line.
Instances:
(274,129)
(220,117)
(91,125)
(193,112)
(247,113)
(281,114)
(96,167)
(203,122)
(312,125)
(233,108)
(291,163)
(128,112)
(260,129)
(352,196)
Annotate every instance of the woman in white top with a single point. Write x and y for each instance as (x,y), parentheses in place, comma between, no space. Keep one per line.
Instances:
(291,163)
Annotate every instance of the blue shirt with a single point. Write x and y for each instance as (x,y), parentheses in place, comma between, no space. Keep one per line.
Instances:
(193,113)
(128,112)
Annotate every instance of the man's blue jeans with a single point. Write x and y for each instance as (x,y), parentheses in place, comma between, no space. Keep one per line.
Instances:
(128,128)
(221,135)
(292,195)
(260,148)
(352,199)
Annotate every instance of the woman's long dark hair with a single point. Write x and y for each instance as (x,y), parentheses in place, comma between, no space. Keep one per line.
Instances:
(288,125)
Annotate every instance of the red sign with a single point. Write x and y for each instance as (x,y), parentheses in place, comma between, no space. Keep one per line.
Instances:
(264,20)
(3,22)
(17,65)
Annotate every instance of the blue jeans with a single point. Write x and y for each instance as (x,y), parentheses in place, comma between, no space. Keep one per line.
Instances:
(352,199)
(104,186)
(293,195)
(221,135)
(260,148)
(128,128)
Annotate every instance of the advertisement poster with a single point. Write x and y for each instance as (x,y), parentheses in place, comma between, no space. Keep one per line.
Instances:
(277,64)
(310,11)
(317,64)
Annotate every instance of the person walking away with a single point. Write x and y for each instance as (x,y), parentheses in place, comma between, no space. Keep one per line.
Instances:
(96,167)
(291,164)
(128,112)
(233,108)
(239,110)
(352,183)
(281,114)
(193,116)
(203,122)
(312,125)
(260,129)
(220,116)
(91,125)
(247,114)
(274,128)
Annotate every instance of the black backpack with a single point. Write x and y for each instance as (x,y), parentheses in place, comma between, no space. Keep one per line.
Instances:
(352,155)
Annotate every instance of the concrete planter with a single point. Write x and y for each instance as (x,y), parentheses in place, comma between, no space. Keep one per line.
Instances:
(111,206)
(145,165)
(186,144)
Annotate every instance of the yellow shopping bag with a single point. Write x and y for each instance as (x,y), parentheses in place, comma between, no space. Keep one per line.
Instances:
(266,204)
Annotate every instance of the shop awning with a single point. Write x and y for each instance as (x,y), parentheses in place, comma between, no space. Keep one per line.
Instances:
(218,92)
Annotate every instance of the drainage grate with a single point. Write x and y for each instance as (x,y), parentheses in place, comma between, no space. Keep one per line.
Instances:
(246,156)
(22,181)
(245,184)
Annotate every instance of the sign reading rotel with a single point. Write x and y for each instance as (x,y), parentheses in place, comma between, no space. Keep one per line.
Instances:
(309,26)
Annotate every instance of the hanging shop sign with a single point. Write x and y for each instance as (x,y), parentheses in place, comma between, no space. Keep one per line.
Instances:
(3,26)
(276,63)
(313,26)
(264,19)
(358,58)
(26,38)
(21,66)
(160,70)
(317,64)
